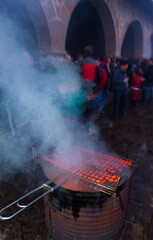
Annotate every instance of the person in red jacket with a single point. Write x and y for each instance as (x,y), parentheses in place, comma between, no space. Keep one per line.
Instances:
(90,71)
(105,75)
(137,80)
(103,79)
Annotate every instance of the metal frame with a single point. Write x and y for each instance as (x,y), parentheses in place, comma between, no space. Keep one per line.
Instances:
(100,187)
(46,186)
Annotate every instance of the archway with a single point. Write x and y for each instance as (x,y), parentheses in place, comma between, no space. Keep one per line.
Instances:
(152,46)
(31,17)
(133,41)
(18,13)
(91,23)
(149,48)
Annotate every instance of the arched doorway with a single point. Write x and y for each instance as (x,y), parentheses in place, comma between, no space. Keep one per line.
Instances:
(91,23)
(133,41)
(31,17)
(152,46)
(149,48)
(18,13)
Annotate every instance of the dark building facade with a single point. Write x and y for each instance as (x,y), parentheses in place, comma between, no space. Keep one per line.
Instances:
(116,28)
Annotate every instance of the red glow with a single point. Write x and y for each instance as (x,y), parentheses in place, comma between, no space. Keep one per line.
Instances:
(96,167)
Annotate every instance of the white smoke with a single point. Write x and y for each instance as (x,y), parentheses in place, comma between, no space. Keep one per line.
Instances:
(30,100)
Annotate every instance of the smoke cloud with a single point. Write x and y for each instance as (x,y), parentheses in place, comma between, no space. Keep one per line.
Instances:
(31,112)
(29,98)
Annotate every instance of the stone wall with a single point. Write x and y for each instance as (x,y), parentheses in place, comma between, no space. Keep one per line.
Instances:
(51,19)
(124,14)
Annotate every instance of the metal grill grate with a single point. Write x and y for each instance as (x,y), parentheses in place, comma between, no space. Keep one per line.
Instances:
(97,170)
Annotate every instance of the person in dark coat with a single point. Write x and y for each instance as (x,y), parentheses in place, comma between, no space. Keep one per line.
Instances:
(148,85)
(120,85)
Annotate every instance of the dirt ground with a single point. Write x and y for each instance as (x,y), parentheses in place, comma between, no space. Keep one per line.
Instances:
(131,137)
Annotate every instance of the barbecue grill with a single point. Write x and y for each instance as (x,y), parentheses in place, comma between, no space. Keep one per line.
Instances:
(86,194)
(97,171)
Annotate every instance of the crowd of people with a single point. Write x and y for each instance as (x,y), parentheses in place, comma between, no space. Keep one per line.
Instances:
(104,76)
(101,76)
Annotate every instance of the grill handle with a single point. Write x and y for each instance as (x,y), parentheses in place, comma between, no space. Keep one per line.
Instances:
(43,186)
(23,207)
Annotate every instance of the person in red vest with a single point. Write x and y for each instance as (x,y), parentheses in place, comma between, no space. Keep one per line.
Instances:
(104,85)
(101,64)
(103,76)
(90,71)
(137,80)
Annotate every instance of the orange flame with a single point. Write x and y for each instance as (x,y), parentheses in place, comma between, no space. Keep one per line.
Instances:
(96,167)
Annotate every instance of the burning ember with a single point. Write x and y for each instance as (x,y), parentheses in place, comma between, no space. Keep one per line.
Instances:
(93,203)
(94,211)
(100,169)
